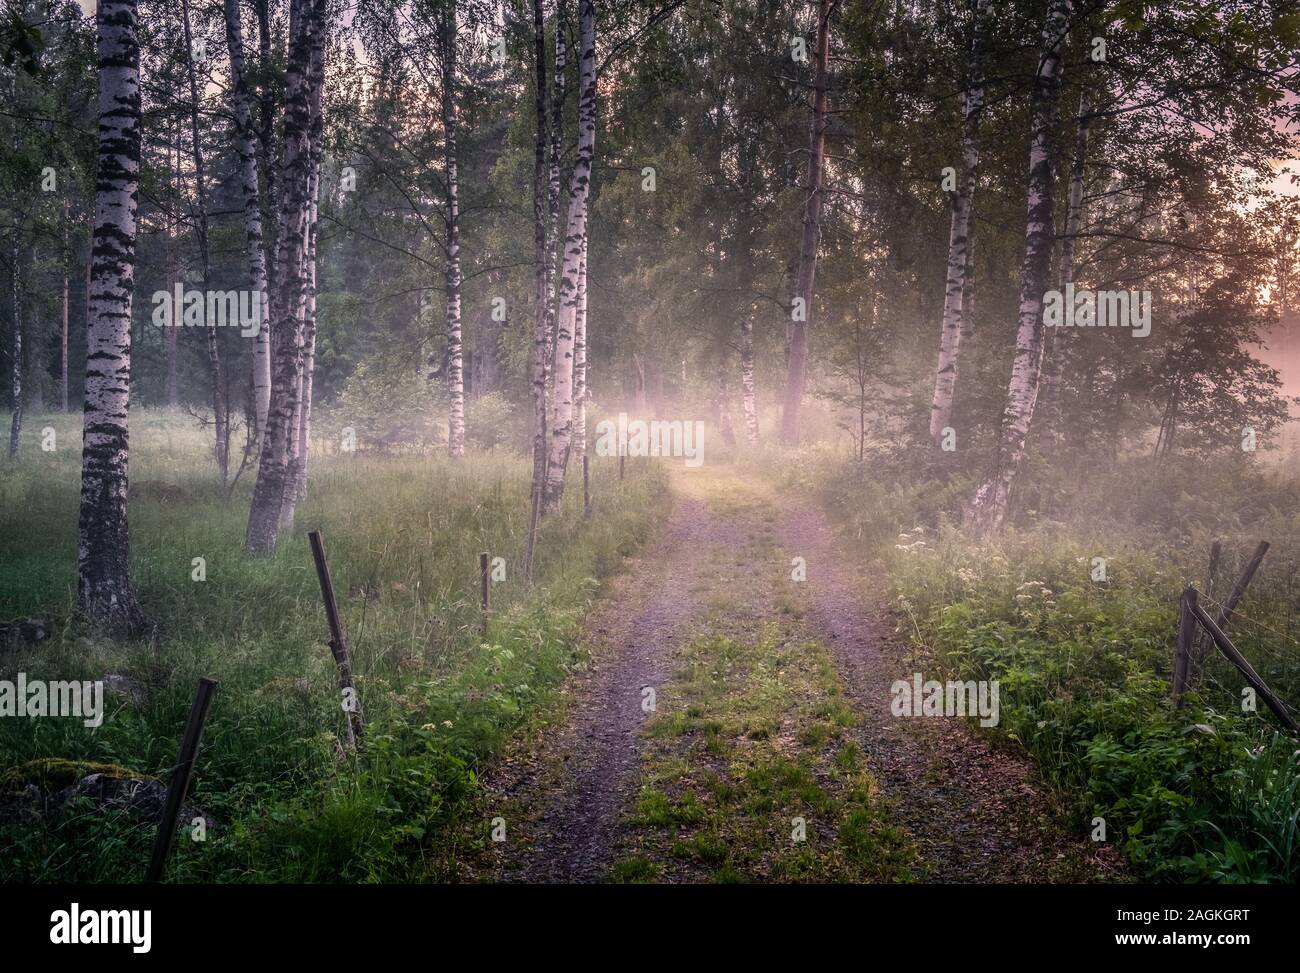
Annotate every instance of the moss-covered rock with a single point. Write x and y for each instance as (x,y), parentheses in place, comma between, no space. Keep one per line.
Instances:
(52,774)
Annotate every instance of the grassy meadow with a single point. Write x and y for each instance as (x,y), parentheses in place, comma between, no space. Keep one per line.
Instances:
(402,534)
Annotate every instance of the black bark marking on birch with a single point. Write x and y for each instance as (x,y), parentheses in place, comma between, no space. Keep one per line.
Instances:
(274,467)
(455,350)
(959,286)
(246,150)
(575,243)
(990,504)
(543,281)
(105,591)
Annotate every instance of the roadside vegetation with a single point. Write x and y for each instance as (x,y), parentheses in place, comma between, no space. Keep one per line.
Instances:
(1205,792)
(403,534)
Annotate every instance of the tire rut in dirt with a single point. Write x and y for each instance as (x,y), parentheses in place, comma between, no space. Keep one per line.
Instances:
(974,810)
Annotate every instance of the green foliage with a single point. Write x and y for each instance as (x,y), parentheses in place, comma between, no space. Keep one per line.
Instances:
(492,422)
(1084,675)
(403,536)
(1202,793)
(389,406)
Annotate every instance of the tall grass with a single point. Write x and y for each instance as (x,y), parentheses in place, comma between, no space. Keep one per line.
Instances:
(1206,792)
(402,536)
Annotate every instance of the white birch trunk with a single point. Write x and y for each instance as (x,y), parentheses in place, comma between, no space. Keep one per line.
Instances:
(455,344)
(172,312)
(575,239)
(555,254)
(308,374)
(958,285)
(105,591)
(302,412)
(274,474)
(990,505)
(543,304)
(246,149)
(748,402)
(315,77)
(580,359)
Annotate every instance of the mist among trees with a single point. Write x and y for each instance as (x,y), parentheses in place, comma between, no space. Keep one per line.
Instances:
(978,316)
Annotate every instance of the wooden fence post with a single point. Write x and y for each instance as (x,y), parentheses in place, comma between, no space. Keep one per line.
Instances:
(355,716)
(622,461)
(485,587)
(1183,647)
(182,774)
(1196,665)
(1237,659)
(1243,582)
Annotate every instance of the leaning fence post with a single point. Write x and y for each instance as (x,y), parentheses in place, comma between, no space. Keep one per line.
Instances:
(1183,647)
(1245,668)
(182,774)
(485,587)
(1243,582)
(356,717)
(1196,664)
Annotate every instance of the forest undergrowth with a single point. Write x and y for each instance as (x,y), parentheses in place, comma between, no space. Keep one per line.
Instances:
(1074,611)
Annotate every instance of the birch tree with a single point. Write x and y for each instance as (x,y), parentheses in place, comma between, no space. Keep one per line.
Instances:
(67,273)
(990,504)
(553,182)
(270,95)
(313,182)
(275,472)
(306,373)
(580,358)
(19,217)
(575,238)
(172,264)
(246,150)
(289,501)
(455,344)
(16,375)
(959,262)
(801,315)
(543,306)
(220,403)
(105,591)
